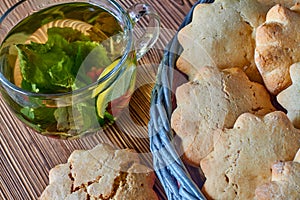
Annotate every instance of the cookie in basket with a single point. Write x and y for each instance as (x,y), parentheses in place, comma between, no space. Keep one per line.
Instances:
(271,3)
(221,34)
(101,173)
(290,97)
(243,156)
(285,182)
(214,100)
(277,46)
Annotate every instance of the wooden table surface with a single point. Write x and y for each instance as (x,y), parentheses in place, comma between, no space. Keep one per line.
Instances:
(26,157)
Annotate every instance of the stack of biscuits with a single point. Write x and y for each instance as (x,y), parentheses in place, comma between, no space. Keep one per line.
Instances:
(238,116)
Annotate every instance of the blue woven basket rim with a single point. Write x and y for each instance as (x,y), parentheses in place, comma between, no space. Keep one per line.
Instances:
(168,166)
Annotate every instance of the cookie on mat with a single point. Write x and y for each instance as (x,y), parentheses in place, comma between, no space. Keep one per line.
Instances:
(285,182)
(214,100)
(221,34)
(243,156)
(277,46)
(290,97)
(101,173)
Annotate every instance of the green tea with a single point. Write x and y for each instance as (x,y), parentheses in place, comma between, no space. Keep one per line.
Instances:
(62,49)
(79,22)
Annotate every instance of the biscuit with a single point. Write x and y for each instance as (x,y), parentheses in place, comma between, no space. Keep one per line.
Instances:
(271,3)
(101,173)
(243,156)
(285,182)
(290,97)
(214,100)
(277,46)
(221,34)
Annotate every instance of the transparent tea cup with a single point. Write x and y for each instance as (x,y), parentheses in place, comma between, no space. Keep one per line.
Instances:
(71,103)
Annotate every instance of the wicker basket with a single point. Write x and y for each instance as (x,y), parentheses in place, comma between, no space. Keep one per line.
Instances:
(170,170)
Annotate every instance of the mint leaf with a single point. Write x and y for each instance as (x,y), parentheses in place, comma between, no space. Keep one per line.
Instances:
(60,73)
(28,112)
(42,116)
(62,63)
(79,117)
(90,55)
(39,61)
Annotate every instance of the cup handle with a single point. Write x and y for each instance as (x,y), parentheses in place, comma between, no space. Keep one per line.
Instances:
(151,33)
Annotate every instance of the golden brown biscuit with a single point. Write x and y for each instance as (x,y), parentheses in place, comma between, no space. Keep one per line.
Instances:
(285,182)
(221,34)
(243,156)
(214,100)
(101,173)
(277,46)
(290,97)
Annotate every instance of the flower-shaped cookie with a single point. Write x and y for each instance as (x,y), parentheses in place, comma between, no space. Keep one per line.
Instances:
(290,97)
(214,100)
(101,173)
(220,34)
(285,182)
(243,156)
(277,46)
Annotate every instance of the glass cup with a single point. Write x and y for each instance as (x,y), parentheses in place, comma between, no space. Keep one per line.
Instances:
(67,88)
